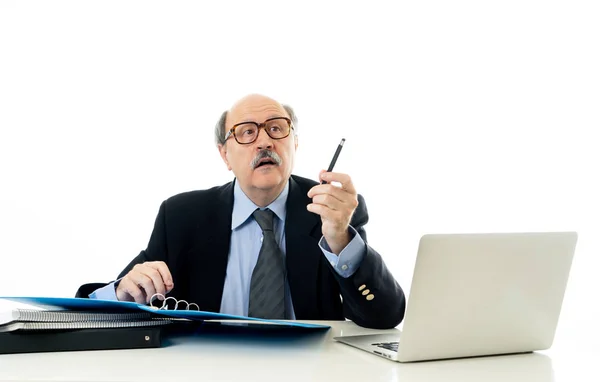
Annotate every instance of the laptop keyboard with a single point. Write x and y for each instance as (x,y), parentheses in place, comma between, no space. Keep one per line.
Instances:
(393,346)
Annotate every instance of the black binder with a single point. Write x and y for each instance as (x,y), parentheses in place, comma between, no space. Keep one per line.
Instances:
(80,339)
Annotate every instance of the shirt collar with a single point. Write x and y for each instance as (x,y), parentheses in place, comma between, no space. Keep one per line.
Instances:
(243,207)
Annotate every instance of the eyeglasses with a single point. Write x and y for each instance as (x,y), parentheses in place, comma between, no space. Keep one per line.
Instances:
(247,132)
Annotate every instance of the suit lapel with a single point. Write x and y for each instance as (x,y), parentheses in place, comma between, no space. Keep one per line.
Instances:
(210,268)
(303,256)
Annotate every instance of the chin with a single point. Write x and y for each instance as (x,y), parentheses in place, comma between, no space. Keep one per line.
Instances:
(267,181)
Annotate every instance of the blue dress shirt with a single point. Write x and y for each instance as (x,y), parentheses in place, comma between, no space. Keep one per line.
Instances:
(246,239)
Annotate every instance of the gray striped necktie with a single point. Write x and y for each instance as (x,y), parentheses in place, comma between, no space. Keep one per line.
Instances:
(267,289)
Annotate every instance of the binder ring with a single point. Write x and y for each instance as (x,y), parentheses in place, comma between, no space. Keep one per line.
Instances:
(156,295)
(187,305)
(164,305)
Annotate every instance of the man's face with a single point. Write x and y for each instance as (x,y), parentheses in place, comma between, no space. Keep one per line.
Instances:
(263,174)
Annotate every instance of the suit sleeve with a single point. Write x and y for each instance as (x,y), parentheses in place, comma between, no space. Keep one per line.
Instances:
(156,251)
(371,296)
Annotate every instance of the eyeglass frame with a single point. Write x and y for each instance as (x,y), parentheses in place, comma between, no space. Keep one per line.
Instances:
(258,127)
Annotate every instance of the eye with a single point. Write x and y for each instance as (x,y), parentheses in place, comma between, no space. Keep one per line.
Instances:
(245,130)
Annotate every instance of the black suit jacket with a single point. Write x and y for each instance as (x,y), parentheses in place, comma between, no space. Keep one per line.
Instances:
(192,235)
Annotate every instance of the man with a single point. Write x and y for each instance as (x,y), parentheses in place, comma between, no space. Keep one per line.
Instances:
(268,244)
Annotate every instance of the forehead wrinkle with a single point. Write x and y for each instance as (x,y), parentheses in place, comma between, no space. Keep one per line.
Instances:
(247,113)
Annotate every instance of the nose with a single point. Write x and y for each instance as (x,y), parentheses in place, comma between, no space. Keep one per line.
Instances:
(263,141)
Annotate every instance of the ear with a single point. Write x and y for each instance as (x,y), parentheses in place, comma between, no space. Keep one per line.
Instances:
(295,142)
(223,152)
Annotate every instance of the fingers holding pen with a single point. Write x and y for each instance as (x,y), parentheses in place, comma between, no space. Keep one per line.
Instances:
(333,202)
(345,185)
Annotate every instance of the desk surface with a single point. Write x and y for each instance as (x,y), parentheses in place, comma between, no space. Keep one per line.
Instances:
(306,357)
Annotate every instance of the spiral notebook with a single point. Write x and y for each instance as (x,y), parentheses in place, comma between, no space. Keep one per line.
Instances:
(39,320)
(39,315)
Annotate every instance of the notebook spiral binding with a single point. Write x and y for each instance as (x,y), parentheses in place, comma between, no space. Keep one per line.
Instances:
(35,315)
(165,300)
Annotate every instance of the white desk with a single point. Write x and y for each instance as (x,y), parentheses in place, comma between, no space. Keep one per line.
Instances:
(312,357)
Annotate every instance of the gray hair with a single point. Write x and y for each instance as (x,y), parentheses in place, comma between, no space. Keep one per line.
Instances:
(220,126)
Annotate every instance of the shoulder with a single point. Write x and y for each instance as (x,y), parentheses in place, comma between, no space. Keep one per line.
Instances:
(304,184)
(199,198)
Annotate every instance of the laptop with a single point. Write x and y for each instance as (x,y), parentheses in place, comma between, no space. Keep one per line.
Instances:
(479,294)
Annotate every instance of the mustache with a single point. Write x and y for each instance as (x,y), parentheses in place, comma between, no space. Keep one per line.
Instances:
(265,154)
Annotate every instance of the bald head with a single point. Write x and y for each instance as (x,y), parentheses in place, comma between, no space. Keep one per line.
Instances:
(252,101)
(250,105)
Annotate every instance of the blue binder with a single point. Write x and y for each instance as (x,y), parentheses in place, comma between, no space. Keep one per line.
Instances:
(82,304)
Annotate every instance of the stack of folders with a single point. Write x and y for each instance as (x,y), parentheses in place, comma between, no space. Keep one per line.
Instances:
(29,330)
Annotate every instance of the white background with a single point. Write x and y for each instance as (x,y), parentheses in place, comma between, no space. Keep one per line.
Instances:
(459,116)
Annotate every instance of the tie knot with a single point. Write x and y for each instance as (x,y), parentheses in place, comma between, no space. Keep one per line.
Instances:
(264,218)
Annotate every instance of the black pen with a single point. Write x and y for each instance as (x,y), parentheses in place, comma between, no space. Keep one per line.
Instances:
(335,157)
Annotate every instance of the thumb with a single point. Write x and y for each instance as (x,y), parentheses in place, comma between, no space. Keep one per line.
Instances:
(321,173)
